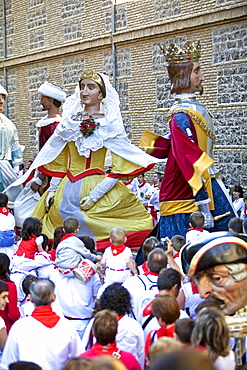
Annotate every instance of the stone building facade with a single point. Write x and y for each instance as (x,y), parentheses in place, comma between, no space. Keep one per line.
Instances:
(57,40)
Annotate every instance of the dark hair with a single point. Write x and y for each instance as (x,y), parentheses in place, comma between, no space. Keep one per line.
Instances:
(116,298)
(208,302)
(24,365)
(31,226)
(27,281)
(184,328)
(168,278)
(4,267)
(245,225)
(178,242)
(58,234)
(45,242)
(157,260)
(197,219)
(3,286)
(105,327)
(57,103)
(179,75)
(167,308)
(88,242)
(239,189)
(236,225)
(3,200)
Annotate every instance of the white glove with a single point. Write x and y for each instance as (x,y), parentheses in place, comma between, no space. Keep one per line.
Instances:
(102,188)
(209,220)
(49,200)
(86,203)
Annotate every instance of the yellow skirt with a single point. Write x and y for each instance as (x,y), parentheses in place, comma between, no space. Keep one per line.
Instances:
(118,207)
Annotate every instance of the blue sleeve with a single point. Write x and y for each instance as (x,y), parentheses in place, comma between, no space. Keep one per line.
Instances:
(183,122)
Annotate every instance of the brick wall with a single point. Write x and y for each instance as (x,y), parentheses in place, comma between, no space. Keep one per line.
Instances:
(57,40)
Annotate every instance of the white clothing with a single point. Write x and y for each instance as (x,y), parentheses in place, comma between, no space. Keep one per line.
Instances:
(238,204)
(117,270)
(76,299)
(191,301)
(7,222)
(227,362)
(137,285)
(154,325)
(243,214)
(2,326)
(50,348)
(152,189)
(70,252)
(193,235)
(141,190)
(129,338)
(27,307)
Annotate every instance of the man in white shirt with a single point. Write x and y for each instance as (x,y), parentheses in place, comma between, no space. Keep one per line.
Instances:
(44,337)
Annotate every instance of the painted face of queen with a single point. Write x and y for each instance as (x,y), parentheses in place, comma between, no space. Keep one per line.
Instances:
(90,94)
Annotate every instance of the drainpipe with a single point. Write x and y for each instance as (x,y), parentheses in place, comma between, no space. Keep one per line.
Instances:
(114,56)
(5,53)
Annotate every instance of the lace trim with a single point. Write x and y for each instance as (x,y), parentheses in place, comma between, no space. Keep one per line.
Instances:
(195,118)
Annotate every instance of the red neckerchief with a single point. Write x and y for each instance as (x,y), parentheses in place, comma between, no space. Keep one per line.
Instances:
(142,184)
(151,273)
(4,211)
(145,267)
(117,249)
(198,229)
(120,317)
(66,236)
(101,350)
(46,316)
(176,255)
(245,212)
(128,182)
(194,288)
(166,332)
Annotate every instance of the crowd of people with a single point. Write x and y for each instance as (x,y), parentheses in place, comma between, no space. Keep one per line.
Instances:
(72,295)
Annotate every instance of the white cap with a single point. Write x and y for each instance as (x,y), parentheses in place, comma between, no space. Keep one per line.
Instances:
(52,91)
(3,91)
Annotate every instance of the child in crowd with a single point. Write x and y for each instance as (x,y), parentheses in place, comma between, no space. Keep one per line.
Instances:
(189,298)
(197,222)
(71,250)
(178,241)
(183,331)
(147,247)
(31,241)
(7,225)
(166,309)
(58,234)
(117,259)
(26,306)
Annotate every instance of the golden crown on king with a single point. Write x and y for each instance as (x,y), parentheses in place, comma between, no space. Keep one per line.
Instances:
(189,52)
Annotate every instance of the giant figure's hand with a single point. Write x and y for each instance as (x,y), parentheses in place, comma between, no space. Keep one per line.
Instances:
(49,200)
(209,220)
(86,203)
(35,187)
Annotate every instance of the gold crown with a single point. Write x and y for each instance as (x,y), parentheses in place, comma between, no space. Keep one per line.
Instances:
(91,75)
(190,52)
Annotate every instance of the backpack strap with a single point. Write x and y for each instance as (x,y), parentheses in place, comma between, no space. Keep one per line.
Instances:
(147,321)
(142,281)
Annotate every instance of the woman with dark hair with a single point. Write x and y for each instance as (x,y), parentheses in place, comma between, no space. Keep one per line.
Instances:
(58,234)
(11,312)
(130,335)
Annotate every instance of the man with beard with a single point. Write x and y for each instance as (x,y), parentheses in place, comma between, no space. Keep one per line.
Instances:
(52,97)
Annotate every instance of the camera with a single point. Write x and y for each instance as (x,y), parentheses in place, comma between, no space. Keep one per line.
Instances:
(162,244)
